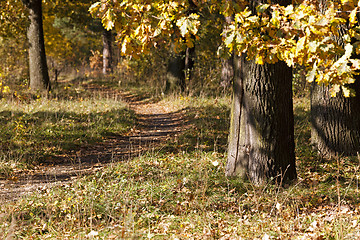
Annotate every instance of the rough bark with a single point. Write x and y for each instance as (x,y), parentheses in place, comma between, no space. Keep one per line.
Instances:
(261,140)
(227,72)
(107,52)
(39,76)
(335,122)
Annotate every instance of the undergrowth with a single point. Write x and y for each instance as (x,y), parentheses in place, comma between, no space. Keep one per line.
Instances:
(179,191)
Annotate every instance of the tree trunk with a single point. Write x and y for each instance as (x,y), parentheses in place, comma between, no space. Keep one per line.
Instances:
(189,65)
(107,52)
(335,121)
(181,64)
(227,72)
(261,140)
(176,73)
(39,76)
(227,68)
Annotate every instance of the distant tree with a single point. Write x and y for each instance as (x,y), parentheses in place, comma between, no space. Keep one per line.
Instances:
(39,76)
(227,63)
(181,63)
(71,34)
(13,20)
(175,78)
(107,52)
(13,46)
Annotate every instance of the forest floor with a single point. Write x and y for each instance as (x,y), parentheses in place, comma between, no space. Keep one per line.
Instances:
(156,123)
(99,162)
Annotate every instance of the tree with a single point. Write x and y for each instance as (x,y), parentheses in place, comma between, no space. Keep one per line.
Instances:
(227,71)
(71,35)
(267,36)
(13,22)
(179,70)
(261,140)
(335,120)
(227,62)
(107,52)
(39,76)
(176,69)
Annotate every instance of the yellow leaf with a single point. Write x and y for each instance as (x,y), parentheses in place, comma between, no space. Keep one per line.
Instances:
(334,90)
(300,45)
(189,43)
(352,16)
(6,89)
(275,19)
(94,8)
(311,75)
(313,46)
(289,10)
(259,60)
(346,91)
(108,20)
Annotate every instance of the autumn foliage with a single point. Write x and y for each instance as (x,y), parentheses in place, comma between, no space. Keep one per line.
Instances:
(299,34)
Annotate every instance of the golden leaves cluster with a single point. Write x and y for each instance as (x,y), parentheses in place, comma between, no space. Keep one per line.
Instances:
(301,35)
(140,24)
(304,34)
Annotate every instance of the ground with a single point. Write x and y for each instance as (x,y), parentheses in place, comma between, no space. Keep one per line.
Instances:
(161,176)
(155,123)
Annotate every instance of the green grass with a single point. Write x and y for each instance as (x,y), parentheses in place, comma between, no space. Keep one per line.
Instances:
(179,191)
(34,131)
(209,117)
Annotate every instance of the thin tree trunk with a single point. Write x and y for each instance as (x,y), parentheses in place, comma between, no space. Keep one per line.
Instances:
(261,140)
(189,65)
(39,76)
(181,64)
(227,65)
(176,78)
(107,52)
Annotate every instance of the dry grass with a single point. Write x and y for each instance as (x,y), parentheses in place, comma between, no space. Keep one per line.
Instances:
(179,191)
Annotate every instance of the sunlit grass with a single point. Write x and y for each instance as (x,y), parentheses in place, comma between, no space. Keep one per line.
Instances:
(34,131)
(183,195)
(179,191)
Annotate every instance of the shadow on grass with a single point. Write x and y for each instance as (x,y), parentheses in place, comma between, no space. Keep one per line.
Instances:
(321,177)
(208,131)
(39,135)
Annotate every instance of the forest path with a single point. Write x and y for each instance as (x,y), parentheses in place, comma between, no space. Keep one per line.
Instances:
(156,123)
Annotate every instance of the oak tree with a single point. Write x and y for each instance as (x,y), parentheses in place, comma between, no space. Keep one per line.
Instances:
(270,38)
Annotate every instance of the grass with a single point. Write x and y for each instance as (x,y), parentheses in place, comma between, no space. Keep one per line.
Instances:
(33,131)
(179,191)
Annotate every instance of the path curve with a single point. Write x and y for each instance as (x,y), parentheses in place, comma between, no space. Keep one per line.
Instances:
(156,123)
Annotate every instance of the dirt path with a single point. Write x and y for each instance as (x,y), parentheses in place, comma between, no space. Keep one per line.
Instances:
(156,124)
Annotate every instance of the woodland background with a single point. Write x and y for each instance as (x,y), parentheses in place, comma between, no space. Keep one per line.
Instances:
(130,131)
